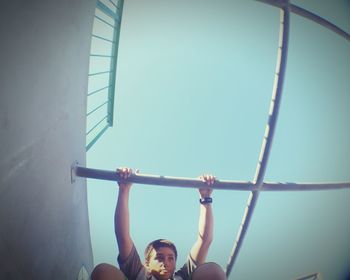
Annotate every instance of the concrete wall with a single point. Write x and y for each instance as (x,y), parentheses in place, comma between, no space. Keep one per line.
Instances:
(44,56)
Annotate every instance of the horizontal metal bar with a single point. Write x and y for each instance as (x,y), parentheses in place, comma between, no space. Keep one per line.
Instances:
(96,137)
(100,73)
(101,55)
(106,22)
(102,38)
(98,90)
(96,125)
(159,180)
(268,186)
(98,107)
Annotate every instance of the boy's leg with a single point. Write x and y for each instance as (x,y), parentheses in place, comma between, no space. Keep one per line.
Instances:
(209,271)
(105,271)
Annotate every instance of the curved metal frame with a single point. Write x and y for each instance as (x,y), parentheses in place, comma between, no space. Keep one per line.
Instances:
(285,7)
(268,137)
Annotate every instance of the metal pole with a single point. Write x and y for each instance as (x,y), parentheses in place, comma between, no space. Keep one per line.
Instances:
(148,179)
(159,180)
(268,137)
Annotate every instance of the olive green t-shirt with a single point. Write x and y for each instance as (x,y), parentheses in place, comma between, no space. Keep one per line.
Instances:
(133,268)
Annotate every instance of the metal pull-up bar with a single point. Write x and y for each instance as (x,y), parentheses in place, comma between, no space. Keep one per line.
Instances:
(158,180)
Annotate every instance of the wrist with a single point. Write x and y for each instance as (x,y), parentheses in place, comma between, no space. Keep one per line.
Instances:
(124,191)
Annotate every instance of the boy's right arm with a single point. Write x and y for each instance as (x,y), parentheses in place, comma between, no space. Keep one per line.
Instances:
(121,217)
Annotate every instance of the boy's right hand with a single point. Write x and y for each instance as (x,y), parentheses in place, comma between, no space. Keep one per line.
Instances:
(124,173)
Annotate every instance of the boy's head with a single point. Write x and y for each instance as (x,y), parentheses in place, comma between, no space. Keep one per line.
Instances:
(160,258)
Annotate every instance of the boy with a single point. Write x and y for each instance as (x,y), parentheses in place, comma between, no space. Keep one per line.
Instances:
(161,254)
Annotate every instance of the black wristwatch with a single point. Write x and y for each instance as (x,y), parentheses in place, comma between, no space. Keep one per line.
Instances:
(205,200)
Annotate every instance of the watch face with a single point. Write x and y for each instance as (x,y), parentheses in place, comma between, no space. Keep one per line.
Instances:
(206,200)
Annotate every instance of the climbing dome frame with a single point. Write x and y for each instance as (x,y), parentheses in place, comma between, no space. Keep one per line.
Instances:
(258,184)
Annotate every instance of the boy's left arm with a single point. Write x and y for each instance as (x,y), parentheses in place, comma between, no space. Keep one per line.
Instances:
(200,249)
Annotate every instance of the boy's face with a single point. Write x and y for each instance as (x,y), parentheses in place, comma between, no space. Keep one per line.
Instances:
(162,263)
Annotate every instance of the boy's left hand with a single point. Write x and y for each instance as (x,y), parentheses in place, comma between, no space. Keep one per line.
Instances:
(210,180)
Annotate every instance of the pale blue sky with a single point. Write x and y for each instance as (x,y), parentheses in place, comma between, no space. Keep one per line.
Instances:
(194,84)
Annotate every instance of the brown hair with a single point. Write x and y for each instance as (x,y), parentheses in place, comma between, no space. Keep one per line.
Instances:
(159,243)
